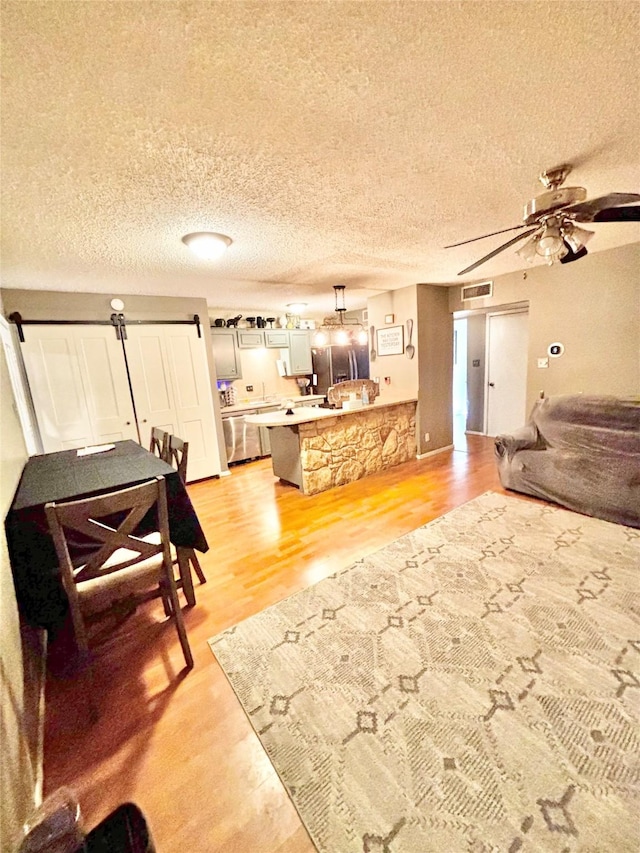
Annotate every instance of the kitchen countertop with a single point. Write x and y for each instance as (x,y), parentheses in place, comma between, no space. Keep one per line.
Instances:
(263,404)
(303,415)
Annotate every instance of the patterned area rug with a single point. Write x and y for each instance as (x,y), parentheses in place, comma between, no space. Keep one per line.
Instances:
(471,687)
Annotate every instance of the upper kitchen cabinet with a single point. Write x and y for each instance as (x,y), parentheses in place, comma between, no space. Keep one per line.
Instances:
(250,338)
(300,351)
(225,354)
(276,338)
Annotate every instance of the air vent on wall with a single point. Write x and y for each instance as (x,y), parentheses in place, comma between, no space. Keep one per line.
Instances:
(475,291)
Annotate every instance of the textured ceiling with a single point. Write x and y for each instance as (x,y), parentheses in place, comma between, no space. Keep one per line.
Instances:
(335,142)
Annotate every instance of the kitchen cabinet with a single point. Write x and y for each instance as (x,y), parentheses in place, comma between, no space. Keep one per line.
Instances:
(225,354)
(250,338)
(300,351)
(85,393)
(276,338)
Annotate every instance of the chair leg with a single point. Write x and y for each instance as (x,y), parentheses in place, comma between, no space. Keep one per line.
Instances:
(177,617)
(185,575)
(196,566)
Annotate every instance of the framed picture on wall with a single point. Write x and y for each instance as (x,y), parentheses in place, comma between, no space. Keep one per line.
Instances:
(390,341)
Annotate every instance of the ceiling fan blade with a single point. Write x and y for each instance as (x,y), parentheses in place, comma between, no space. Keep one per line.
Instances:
(586,211)
(499,249)
(493,233)
(571,255)
(618,214)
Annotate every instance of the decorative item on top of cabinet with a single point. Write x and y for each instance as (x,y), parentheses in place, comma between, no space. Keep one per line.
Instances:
(225,353)
(300,352)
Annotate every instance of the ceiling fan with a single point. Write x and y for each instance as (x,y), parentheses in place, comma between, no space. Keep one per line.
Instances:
(553,216)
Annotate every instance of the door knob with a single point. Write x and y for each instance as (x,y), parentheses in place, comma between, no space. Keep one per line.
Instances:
(492,385)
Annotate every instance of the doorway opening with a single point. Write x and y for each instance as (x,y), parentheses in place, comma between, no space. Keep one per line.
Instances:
(460,390)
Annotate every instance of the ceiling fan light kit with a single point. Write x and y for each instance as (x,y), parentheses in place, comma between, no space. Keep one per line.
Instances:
(552,215)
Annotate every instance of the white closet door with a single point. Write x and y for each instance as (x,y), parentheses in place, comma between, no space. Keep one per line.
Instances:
(171,387)
(79,385)
(190,376)
(55,381)
(150,380)
(104,377)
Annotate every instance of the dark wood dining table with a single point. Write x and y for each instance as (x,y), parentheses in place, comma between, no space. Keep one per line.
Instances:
(66,476)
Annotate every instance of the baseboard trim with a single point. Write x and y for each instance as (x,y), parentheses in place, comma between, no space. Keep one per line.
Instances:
(434,452)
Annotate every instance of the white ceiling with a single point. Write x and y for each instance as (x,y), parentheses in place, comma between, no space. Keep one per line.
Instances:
(334,142)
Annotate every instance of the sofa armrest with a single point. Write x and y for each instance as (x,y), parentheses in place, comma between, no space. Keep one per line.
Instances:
(525,438)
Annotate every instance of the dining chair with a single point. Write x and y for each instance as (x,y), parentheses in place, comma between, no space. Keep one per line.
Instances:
(177,456)
(124,566)
(159,442)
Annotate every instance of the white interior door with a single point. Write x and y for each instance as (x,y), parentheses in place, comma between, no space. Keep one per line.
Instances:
(59,399)
(78,384)
(189,369)
(171,387)
(104,377)
(507,347)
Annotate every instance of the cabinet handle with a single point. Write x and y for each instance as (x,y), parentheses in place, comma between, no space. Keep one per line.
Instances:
(144,420)
(492,385)
(127,423)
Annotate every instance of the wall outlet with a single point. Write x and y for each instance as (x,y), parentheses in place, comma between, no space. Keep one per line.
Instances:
(543,362)
(249,387)
(427,436)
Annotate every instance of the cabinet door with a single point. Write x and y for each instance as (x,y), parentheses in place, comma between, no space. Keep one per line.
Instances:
(250,338)
(172,390)
(276,338)
(225,354)
(300,351)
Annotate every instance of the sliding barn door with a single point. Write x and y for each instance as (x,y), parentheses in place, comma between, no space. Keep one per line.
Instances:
(78,384)
(172,390)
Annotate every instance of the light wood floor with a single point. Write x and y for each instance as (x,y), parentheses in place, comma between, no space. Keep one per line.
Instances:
(179,745)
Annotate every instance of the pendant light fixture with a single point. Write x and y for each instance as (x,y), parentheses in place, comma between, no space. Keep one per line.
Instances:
(336,330)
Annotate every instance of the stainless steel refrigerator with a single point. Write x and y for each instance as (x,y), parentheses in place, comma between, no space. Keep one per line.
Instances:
(338,363)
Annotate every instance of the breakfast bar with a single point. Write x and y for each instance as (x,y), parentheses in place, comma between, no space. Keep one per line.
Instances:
(316,449)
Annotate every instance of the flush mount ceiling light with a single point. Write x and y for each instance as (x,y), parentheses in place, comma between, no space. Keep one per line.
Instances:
(207,244)
(297,307)
(336,329)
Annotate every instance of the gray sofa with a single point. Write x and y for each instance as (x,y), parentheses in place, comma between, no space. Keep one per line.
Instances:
(582,452)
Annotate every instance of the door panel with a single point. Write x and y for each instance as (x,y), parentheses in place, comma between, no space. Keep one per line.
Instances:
(171,387)
(150,381)
(57,390)
(104,376)
(189,370)
(507,348)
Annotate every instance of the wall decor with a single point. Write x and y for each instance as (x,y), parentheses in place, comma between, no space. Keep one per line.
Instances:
(390,341)
(389,318)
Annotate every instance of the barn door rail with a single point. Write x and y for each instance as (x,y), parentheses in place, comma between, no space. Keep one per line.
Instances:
(118,321)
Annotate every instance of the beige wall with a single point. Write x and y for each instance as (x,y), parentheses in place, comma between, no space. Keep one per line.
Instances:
(435,351)
(400,370)
(54,305)
(19,692)
(592,306)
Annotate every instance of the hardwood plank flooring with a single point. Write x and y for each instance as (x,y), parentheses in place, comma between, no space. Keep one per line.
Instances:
(178,744)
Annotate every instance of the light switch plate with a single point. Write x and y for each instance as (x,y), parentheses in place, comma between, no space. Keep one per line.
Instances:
(543,362)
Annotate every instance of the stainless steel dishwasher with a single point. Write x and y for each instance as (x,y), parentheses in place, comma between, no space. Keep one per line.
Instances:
(242,440)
